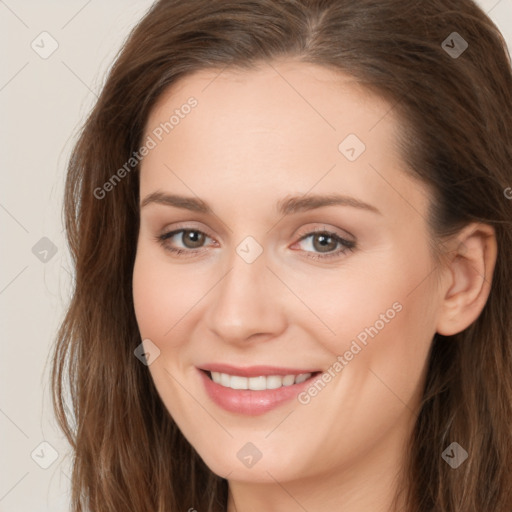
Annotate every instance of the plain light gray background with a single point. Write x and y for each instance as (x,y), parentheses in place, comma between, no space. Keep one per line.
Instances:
(43,100)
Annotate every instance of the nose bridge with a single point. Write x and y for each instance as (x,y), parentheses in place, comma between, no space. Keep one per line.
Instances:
(246,300)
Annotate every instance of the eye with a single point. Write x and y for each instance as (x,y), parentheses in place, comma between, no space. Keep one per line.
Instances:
(192,241)
(320,244)
(326,244)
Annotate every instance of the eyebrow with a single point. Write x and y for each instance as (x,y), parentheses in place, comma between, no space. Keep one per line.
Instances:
(286,206)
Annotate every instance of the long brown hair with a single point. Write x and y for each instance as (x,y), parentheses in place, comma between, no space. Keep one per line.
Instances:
(456,119)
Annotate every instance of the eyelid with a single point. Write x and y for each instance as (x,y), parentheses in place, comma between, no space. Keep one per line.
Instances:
(304,231)
(347,245)
(185,226)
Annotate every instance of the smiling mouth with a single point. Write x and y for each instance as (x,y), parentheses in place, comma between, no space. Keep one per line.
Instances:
(258,383)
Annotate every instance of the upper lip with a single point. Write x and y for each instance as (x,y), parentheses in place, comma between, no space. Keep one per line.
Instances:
(254,371)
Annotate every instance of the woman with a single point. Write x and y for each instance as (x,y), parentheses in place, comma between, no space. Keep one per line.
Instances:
(291,231)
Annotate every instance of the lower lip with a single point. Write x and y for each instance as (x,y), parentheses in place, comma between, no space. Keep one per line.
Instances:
(250,402)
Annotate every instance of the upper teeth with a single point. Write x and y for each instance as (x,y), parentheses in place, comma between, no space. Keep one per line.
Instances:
(258,383)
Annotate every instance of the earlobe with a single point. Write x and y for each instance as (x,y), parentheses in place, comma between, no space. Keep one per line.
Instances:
(470,266)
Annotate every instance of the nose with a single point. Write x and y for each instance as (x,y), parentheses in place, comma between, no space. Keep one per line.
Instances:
(247,303)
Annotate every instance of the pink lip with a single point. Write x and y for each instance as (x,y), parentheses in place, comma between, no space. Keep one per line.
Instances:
(249,402)
(254,371)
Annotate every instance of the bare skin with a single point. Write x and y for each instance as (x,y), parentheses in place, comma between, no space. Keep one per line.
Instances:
(254,139)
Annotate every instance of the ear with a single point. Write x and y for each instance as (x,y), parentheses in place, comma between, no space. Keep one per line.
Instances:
(470,266)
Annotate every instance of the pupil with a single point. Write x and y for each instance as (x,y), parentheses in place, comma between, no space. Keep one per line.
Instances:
(194,237)
(323,243)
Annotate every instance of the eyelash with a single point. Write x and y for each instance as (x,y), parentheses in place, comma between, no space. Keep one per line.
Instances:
(347,245)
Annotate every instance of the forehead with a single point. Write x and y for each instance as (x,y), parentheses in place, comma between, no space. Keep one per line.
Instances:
(284,126)
(301,97)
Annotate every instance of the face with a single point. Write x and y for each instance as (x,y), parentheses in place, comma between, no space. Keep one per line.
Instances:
(281,236)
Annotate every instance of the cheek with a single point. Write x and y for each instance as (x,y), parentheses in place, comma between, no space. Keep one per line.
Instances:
(374,296)
(383,338)
(384,314)
(163,295)
(149,297)
(399,351)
